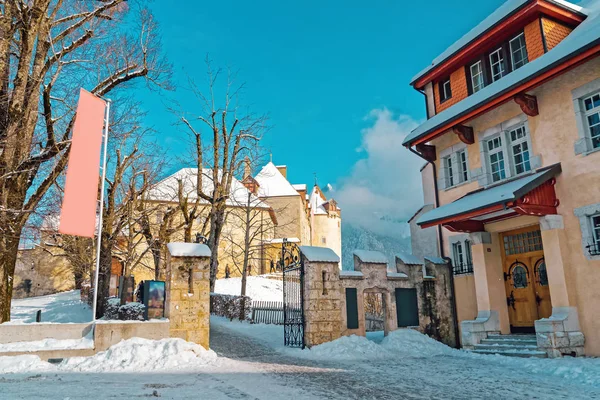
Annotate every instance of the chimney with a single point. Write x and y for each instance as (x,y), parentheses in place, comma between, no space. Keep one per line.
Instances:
(283,170)
(247,168)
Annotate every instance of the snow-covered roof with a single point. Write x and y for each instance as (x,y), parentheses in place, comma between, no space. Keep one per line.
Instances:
(167,189)
(484,198)
(317,201)
(273,183)
(351,274)
(371,257)
(583,37)
(300,187)
(397,275)
(436,260)
(319,254)
(188,249)
(409,259)
(505,10)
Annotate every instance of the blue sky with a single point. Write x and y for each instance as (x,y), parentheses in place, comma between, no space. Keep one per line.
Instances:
(332,75)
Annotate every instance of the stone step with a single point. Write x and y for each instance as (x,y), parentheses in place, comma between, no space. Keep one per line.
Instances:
(514,337)
(510,341)
(514,353)
(505,347)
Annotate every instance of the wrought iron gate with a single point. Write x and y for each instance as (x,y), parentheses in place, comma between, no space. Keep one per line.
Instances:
(293,295)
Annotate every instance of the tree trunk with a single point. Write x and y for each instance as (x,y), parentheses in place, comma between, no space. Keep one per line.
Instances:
(216,227)
(9,247)
(104,274)
(78,275)
(187,233)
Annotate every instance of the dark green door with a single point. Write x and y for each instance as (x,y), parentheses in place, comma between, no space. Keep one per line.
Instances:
(351,308)
(407,309)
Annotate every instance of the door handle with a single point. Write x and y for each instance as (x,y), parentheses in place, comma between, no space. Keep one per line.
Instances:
(510,300)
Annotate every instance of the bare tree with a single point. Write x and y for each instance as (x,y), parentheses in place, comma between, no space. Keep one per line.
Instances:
(48,49)
(222,134)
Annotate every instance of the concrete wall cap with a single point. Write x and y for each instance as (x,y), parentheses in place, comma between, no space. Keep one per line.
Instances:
(549,222)
(188,250)
(371,257)
(319,254)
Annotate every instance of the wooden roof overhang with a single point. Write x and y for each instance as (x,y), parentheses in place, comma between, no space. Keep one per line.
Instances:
(498,33)
(537,198)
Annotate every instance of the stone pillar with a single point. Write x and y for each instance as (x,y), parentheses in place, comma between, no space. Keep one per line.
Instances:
(188,292)
(560,334)
(322,295)
(492,315)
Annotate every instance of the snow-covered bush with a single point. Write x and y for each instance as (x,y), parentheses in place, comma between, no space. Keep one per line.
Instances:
(232,307)
(126,312)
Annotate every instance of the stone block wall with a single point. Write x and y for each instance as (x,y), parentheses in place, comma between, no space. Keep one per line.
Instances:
(188,297)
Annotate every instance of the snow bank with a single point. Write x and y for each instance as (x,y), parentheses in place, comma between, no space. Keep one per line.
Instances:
(346,348)
(62,307)
(23,364)
(411,343)
(47,344)
(258,288)
(133,355)
(143,355)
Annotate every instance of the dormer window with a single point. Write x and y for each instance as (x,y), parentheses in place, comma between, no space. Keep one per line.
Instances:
(445,90)
(518,51)
(497,64)
(477,81)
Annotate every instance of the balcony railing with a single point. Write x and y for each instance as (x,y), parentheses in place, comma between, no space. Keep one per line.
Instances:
(462,269)
(593,249)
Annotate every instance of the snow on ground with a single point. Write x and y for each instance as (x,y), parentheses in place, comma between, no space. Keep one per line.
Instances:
(60,307)
(48,344)
(258,288)
(253,363)
(132,355)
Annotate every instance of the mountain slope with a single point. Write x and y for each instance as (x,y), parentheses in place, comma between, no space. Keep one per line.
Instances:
(358,238)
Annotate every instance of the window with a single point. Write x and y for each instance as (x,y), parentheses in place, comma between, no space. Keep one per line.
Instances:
(519,275)
(523,242)
(463,166)
(594,247)
(462,262)
(496,159)
(323,240)
(518,51)
(592,113)
(497,64)
(477,82)
(520,150)
(449,171)
(445,90)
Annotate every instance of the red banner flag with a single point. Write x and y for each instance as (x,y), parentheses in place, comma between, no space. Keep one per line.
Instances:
(78,212)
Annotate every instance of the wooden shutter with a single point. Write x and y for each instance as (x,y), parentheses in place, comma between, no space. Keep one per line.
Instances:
(407,309)
(351,308)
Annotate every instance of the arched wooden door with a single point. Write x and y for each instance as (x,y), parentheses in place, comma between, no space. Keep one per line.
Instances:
(526,281)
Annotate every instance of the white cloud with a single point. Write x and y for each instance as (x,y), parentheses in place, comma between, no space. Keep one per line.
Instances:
(385,186)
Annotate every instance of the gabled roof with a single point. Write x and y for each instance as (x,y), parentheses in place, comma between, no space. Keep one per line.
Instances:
(167,189)
(371,257)
(582,42)
(504,11)
(273,183)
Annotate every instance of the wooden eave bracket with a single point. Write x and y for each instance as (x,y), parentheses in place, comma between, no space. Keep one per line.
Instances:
(464,133)
(528,103)
(427,151)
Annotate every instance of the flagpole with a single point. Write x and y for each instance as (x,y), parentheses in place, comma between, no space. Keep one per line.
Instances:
(99,229)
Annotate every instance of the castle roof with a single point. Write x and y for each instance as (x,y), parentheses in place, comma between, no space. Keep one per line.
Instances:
(167,189)
(273,183)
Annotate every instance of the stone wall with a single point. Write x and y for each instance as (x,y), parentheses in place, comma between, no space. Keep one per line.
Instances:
(188,292)
(325,294)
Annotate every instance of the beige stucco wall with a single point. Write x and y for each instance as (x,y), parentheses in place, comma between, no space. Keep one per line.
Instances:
(553,135)
(328,227)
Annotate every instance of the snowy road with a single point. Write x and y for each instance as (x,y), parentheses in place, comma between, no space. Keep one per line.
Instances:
(249,367)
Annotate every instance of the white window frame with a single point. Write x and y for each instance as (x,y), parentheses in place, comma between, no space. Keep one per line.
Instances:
(522,49)
(449,171)
(522,141)
(589,234)
(500,63)
(495,151)
(462,257)
(446,90)
(595,110)
(584,144)
(458,255)
(595,230)
(479,76)
(463,165)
